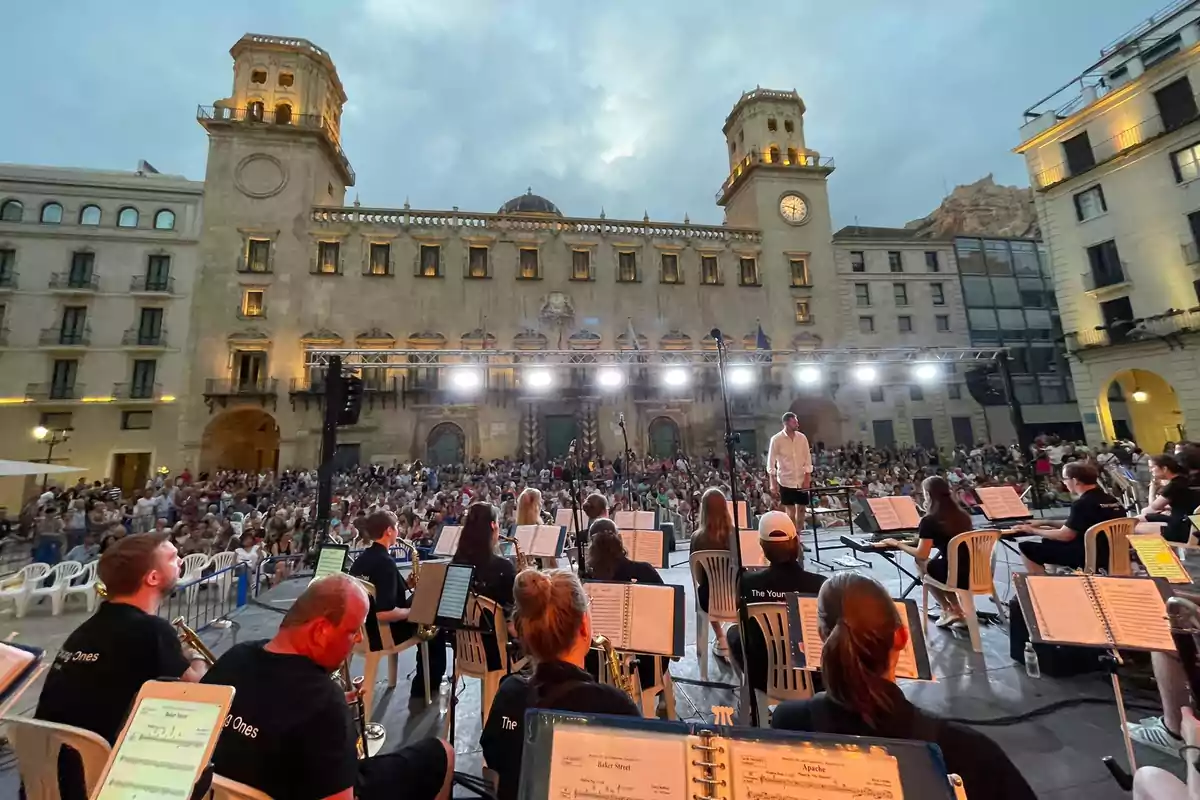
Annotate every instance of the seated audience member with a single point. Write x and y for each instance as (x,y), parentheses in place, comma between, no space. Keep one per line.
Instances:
(1064,546)
(307,750)
(863,638)
(785,574)
(944,519)
(1176,499)
(714,532)
(556,629)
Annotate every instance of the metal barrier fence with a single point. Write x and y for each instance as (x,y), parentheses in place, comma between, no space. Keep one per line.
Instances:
(15,554)
(209,598)
(275,569)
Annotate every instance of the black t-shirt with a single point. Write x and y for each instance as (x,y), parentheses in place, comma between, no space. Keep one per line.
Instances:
(375,565)
(1183,497)
(289,732)
(771,584)
(495,582)
(1091,508)
(103,664)
(554,685)
(933,530)
(987,772)
(631,571)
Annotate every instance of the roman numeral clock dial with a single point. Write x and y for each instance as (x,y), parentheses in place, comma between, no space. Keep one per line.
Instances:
(793,208)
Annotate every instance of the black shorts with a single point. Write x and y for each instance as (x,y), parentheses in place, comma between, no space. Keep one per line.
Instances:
(1048,551)
(420,768)
(793,497)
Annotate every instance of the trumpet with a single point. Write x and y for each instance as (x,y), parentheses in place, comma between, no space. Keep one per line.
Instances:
(621,680)
(190,638)
(424,632)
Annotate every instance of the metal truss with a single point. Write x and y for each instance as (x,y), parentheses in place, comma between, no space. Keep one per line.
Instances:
(389,359)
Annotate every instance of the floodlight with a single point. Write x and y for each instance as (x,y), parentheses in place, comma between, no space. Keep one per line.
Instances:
(741,376)
(610,378)
(808,375)
(465,379)
(676,377)
(865,373)
(538,378)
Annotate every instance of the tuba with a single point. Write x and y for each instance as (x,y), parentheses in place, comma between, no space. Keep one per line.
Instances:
(623,682)
(424,632)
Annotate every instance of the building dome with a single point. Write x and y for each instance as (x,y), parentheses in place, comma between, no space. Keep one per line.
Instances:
(530,203)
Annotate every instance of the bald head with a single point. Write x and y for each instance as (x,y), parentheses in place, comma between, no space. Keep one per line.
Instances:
(326,598)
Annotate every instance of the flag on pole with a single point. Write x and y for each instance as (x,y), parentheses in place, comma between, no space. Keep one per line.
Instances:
(632,334)
(761,342)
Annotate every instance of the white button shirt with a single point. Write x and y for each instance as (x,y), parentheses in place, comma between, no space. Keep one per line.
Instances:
(789,459)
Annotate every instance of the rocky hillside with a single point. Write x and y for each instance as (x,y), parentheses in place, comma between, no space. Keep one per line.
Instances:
(982,209)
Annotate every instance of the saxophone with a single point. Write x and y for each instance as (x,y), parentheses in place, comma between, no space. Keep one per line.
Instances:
(521,560)
(622,681)
(424,632)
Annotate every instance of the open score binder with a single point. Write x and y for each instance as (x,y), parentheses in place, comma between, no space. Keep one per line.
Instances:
(542,541)
(1096,611)
(644,545)
(894,513)
(638,617)
(634,520)
(1001,502)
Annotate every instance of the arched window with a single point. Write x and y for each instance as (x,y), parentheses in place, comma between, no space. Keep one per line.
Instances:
(773,155)
(254,111)
(128,218)
(12,211)
(283,114)
(164,220)
(89,215)
(51,213)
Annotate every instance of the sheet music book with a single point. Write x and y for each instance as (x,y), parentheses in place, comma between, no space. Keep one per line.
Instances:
(541,541)
(638,617)
(1001,502)
(571,756)
(441,595)
(648,546)
(15,663)
(1159,558)
(743,521)
(804,628)
(751,549)
(1096,611)
(565,518)
(447,541)
(634,520)
(894,513)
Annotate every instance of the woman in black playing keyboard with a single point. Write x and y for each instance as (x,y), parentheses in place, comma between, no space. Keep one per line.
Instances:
(944,518)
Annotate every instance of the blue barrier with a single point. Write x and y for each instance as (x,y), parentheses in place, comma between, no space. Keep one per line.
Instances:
(204,600)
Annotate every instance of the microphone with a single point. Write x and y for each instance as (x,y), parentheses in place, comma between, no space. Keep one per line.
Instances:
(621,420)
(718,337)
(571,449)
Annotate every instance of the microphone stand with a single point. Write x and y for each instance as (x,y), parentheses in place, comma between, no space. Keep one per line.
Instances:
(731,439)
(628,463)
(580,533)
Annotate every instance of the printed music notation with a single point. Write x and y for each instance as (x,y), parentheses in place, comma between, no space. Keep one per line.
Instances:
(160,754)
(772,771)
(591,765)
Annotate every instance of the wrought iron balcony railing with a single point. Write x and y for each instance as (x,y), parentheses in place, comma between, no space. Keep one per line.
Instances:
(137,390)
(54,391)
(152,284)
(71,281)
(229,387)
(137,337)
(65,337)
(1164,327)
(8,280)
(260,115)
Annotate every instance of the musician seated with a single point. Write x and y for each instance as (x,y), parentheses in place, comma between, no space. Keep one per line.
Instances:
(392,601)
(529,507)
(1064,546)
(494,574)
(714,532)
(944,519)
(785,574)
(1164,733)
(863,639)
(290,731)
(556,629)
(595,507)
(1177,499)
(104,662)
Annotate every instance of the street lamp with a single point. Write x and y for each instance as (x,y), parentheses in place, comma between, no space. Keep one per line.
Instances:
(50,439)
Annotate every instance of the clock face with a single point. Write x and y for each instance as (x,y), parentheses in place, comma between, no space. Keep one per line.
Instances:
(793,208)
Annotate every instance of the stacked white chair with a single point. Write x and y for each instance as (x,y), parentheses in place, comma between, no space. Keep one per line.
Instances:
(59,579)
(222,576)
(85,586)
(718,566)
(193,569)
(18,587)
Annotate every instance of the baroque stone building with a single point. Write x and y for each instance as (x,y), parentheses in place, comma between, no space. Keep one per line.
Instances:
(516,332)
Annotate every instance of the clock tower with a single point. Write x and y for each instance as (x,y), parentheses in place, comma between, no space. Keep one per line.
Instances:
(778,185)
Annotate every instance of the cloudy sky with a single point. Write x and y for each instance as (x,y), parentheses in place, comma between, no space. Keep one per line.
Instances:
(616,105)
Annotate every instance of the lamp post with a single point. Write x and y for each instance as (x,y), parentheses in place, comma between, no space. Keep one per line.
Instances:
(51,439)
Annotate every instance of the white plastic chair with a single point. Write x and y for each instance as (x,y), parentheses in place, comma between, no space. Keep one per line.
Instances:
(36,744)
(471,660)
(60,578)
(784,682)
(225,789)
(1117,531)
(18,587)
(219,562)
(980,545)
(718,566)
(85,585)
(390,650)
(193,569)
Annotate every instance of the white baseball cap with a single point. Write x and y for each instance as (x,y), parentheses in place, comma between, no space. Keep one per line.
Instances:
(776,526)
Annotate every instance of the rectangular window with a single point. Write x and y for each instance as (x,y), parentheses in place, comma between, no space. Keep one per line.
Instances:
(82,266)
(57,420)
(477,262)
(970,257)
(528,264)
(915,393)
(866,324)
(1078,152)
(999,259)
(8,264)
(799,271)
(1105,262)
(857,262)
(670,268)
(74,325)
(1025,258)
(1090,203)
(977,292)
(62,378)
(581,265)
(942,323)
(136,420)
(803,317)
(158,273)
(710,271)
(938,292)
(253,304)
(904,324)
(1176,103)
(954,391)
(258,255)
(931,261)
(380,259)
(900,293)
(862,294)
(876,394)
(141,387)
(430,264)
(150,327)
(626,267)
(1186,163)
(1118,318)
(748,271)
(895,261)
(329,258)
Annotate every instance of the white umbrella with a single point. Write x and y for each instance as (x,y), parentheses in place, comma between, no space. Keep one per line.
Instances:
(11,468)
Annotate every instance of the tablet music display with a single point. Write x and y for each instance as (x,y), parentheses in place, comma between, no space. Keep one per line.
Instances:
(331,559)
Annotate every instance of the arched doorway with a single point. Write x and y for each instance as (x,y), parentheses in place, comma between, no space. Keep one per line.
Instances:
(244,439)
(446,445)
(1150,409)
(819,420)
(664,438)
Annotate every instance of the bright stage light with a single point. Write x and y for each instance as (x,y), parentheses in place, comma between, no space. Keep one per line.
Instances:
(808,375)
(741,376)
(676,377)
(538,378)
(926,372)
(610,378)
(865,373)
(465,379)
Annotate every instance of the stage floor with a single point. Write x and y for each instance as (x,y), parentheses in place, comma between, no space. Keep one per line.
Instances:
(1059,753)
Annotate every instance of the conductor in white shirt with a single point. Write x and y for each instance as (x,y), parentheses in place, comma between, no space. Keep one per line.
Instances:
(789,466)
